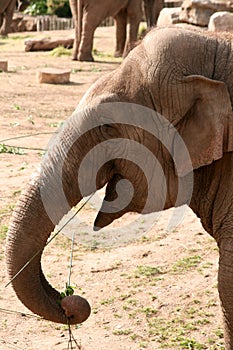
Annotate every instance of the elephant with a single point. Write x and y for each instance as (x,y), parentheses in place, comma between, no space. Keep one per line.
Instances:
(7,8)
(88,14)
(161,124)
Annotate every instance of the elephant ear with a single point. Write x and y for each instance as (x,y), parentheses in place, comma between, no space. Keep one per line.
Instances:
(206,124)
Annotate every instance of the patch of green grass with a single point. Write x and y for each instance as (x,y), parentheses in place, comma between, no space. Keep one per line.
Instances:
(17,107)
(107,301)
(147,271)
(9,149)
(3,232)
(191,344)
(60,51)
(122,332)
(56,124)
(185,264)
(149,311)
(6,211)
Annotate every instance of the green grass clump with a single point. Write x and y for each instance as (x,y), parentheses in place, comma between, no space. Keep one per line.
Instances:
(10,149)
(60,51)
(185,264)
(147,271)
(3,232)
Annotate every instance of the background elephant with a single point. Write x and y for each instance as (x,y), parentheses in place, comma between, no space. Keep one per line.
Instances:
(88,14)
(7,8)
(161,122)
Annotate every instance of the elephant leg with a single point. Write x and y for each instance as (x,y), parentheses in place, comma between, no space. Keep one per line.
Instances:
(225,287)
(3,28)
(7,18)
(1,20)
(159,5)
(86,44)
(134,14)
(121,24)
(76,42)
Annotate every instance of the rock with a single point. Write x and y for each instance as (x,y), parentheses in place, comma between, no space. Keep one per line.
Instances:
(3,66)
(198,12)
(169,16)
(23,23)
(221,21)
(53,76)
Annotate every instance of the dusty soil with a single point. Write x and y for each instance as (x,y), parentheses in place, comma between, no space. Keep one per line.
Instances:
(158,291)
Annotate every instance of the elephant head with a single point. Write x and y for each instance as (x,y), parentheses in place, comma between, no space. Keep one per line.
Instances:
(95,147)
(119,138)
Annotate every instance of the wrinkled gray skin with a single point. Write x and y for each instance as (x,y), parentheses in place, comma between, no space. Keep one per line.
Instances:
(188,79)
(88,14)
(7,8)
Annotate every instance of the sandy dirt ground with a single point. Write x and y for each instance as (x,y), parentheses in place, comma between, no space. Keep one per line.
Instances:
(158,291)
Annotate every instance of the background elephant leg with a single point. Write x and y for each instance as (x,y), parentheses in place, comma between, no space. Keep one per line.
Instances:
(3,28)
(134,15)
(152,10)
(1,20)
(159,5)
(86,45)
(121,24)
(225,287)
(76,42)
(7,18)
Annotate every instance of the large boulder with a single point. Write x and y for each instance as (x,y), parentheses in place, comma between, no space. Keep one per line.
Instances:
(221,21)
(23,23)
(168,16)
(198,12)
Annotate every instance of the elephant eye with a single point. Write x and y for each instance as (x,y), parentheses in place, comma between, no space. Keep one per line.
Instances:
(110,131)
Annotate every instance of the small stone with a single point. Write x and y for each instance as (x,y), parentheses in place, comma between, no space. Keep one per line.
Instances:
(168,16)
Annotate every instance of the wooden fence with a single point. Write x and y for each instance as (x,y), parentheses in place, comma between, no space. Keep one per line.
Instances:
(53,23)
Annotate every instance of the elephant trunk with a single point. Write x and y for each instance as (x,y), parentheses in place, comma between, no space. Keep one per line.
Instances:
(28,234)
(30,228)
(47,198)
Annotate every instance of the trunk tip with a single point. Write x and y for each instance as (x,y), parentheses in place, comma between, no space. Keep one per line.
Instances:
(77,309)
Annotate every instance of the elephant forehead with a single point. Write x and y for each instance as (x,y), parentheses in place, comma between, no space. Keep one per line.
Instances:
(186,51)
(158,40)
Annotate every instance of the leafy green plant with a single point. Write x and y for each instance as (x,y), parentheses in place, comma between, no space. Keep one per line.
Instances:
(60,8)
(37,7)
(68,291)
